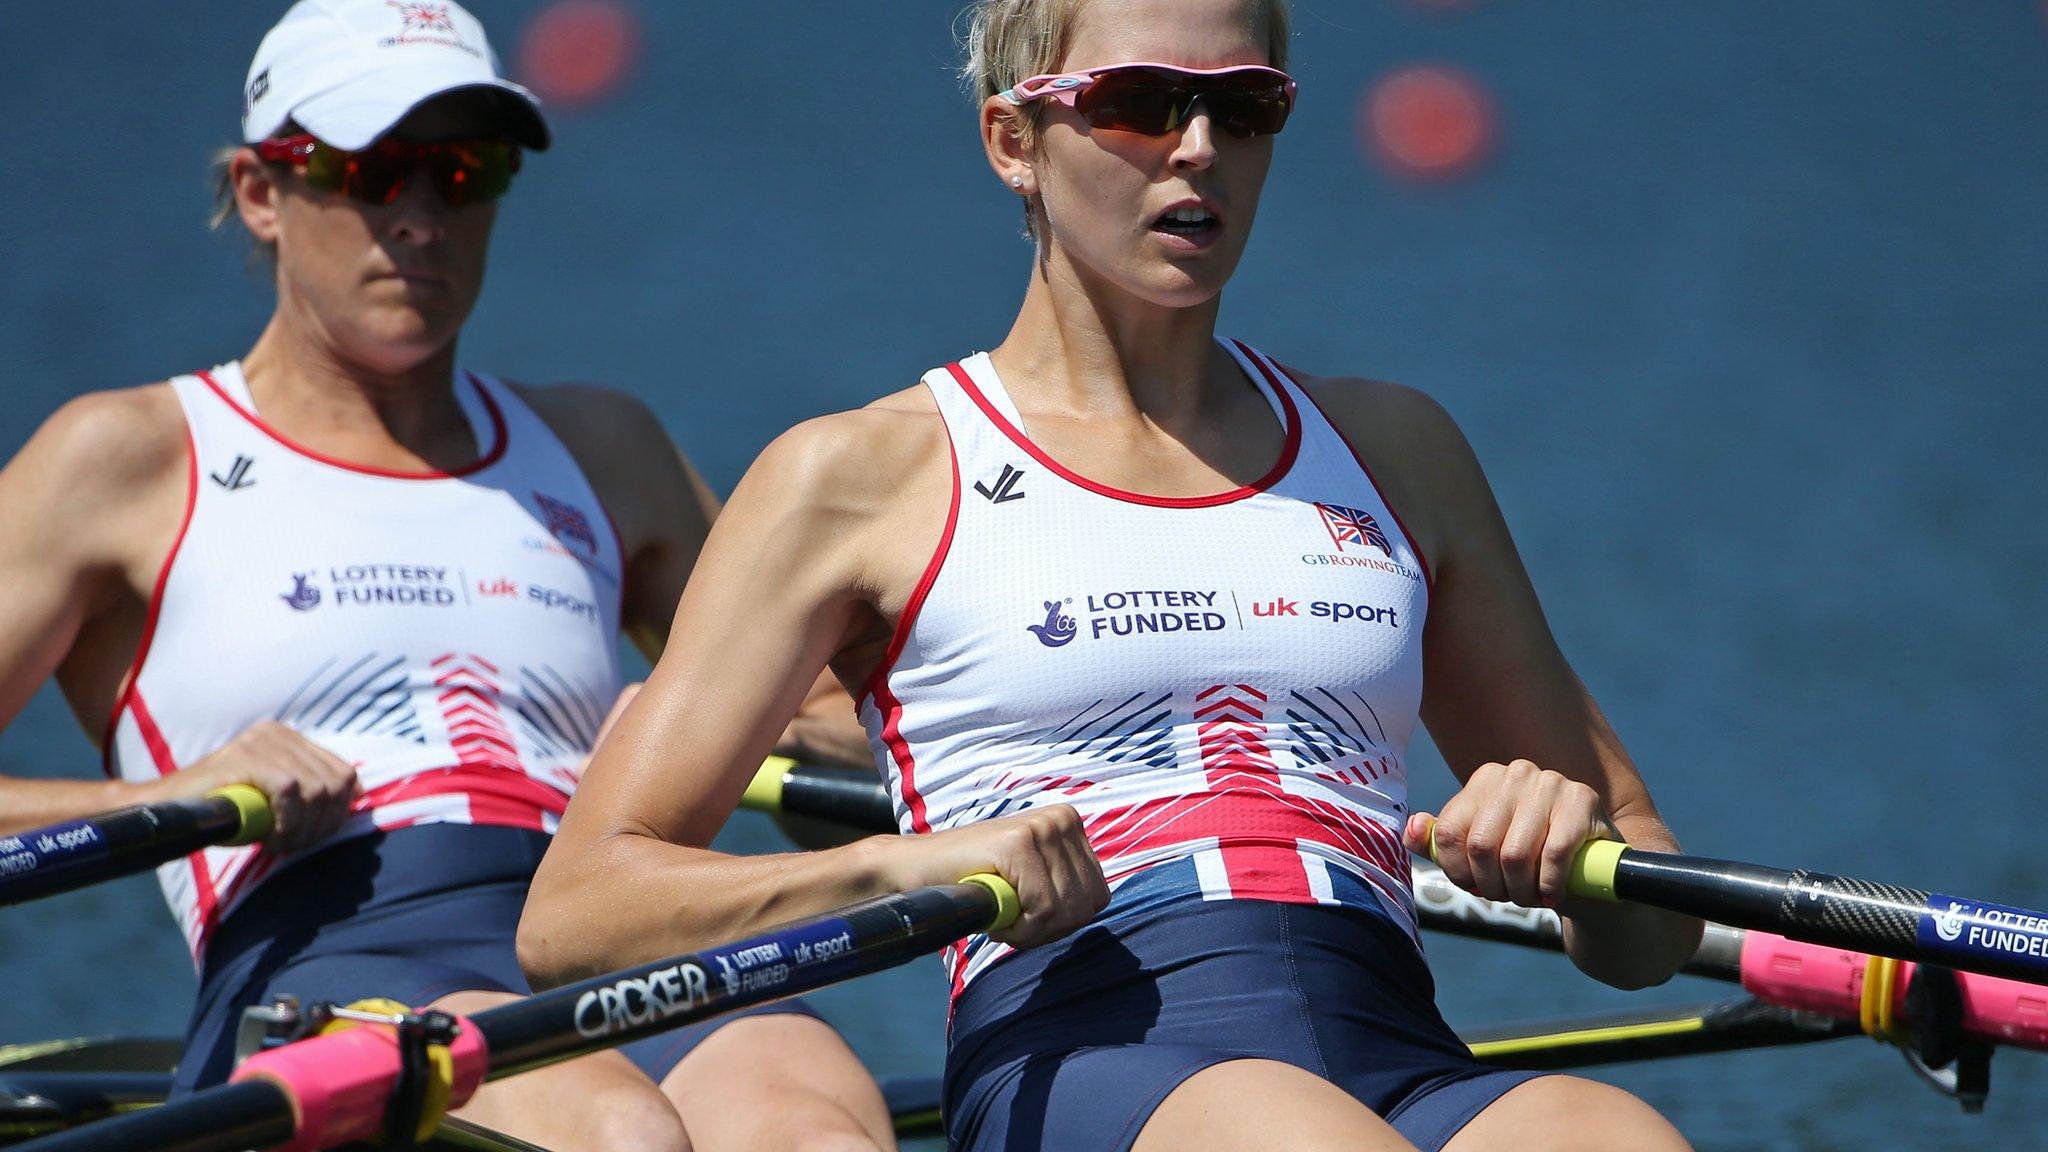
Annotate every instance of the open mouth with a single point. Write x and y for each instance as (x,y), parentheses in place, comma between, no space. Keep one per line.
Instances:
(1192,222)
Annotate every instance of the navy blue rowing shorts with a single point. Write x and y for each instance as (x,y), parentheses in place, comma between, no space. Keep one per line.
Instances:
(1070,1047)
(410,915)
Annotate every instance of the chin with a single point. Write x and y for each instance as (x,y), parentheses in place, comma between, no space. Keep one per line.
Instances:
(1173,287)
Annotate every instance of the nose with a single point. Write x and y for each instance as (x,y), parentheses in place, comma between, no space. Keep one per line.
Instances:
(1196,148)
(419,216)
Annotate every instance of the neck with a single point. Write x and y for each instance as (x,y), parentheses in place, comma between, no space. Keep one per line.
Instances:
(1085,346)
(304,385)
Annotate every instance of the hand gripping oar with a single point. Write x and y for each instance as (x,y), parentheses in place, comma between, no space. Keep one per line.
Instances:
(1818,908)
(76,853)
(336,1088)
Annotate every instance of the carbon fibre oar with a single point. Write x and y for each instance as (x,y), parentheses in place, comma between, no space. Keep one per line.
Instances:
(848,797)
(335,1088)
(77,853)
(1967,935)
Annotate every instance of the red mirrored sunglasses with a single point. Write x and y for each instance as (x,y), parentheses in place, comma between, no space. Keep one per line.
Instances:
(462,171)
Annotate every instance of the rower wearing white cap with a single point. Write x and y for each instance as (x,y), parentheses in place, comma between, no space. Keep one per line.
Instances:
(386,593)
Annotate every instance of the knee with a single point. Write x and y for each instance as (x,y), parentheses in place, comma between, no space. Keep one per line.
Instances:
(641,1122)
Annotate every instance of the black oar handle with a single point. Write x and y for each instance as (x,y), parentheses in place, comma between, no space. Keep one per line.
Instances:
(76,853)
(623,1006)
(1841,912)
(851,798)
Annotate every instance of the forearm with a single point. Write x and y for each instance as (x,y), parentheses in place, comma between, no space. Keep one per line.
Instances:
(627,898)
(1630,945)
(28,804)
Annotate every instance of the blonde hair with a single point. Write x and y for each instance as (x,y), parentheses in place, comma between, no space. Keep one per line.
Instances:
(1008,41)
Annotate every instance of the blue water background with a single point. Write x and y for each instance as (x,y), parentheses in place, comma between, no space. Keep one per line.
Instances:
(1748,318)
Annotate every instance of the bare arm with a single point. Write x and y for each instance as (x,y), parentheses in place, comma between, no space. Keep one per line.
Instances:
(89,511)
(664,511)
(1500,700)
(813,540)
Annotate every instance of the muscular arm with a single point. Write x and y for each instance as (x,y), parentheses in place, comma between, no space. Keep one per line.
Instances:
(823,538)
(664,511)
(87,507)
(1497,688)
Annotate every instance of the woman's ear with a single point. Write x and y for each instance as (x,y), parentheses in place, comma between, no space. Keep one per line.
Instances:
(255,187)
(1003,136)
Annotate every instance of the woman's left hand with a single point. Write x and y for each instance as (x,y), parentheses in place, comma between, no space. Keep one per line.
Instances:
(1512,832)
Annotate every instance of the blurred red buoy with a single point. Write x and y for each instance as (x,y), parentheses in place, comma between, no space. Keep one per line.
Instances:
(577,52)
(1428,123)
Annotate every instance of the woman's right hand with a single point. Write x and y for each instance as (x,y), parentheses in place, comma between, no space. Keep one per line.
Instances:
(1043,853)
(310,788)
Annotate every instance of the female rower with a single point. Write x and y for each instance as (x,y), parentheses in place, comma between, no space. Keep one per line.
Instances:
(1122,600)
(385,592)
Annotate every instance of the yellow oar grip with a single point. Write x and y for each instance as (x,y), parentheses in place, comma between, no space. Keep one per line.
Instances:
(1592,869)
(255,809)
(764,792)
(1008,907)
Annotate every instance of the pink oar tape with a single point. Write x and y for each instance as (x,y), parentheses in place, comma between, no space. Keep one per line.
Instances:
(341,1083)
(1830,981)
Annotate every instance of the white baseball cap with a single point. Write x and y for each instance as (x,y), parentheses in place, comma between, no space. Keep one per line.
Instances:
(348,70)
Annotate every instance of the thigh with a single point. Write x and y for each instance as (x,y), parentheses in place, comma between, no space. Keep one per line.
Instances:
(783,1080)
(1567,1113)
(1263,1106)
(595,1103)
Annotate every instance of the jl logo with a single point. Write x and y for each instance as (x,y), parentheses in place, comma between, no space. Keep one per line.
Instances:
(238,475)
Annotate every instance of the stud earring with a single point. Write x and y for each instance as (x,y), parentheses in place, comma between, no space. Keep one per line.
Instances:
(1016,181)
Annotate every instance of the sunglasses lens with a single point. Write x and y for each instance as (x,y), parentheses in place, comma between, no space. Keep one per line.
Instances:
(464,172)
(1153,103)
(474,171)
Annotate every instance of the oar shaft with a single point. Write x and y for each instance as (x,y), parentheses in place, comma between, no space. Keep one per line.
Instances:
(1835,911)
(77,853)
(252,1114)
(626,1005)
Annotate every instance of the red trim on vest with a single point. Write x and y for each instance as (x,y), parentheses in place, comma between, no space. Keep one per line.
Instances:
(878,681)
(156,604)
(499,439)
(1428,578)
(1288,451)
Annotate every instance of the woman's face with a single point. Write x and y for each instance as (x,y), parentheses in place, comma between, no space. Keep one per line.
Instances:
(387,285)
(1107,195)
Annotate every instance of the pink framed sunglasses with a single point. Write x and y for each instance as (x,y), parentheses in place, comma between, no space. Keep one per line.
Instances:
(1155,99)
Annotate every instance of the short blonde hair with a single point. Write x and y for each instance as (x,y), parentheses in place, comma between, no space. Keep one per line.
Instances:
(1012,40)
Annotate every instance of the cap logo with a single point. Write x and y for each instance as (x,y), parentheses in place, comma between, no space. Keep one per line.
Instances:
(258,88)
(424,17)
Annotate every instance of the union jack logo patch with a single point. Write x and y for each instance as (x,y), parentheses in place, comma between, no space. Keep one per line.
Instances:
(566,522)
(1354,526)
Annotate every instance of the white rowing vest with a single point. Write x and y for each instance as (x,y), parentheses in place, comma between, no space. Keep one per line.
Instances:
(1231,680)
(453,635)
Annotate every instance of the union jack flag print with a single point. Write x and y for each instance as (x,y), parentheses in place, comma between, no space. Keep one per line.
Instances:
(566,522)
(1354,526)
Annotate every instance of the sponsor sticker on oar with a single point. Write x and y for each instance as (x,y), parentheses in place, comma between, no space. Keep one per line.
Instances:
(1971,928)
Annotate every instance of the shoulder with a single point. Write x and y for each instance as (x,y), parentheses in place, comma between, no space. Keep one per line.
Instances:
(100,475)
(1416,454)
(110,441)
(593,420)
(849,461)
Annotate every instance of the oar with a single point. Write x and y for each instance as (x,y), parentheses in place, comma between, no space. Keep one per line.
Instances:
(74,854)
(1967,935)
(847,797)
(335,1088)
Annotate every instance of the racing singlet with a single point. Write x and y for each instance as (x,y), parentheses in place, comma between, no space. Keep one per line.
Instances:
(453,635)
(1230,680)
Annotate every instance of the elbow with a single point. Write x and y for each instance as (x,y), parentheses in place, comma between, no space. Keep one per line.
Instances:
(545,939)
